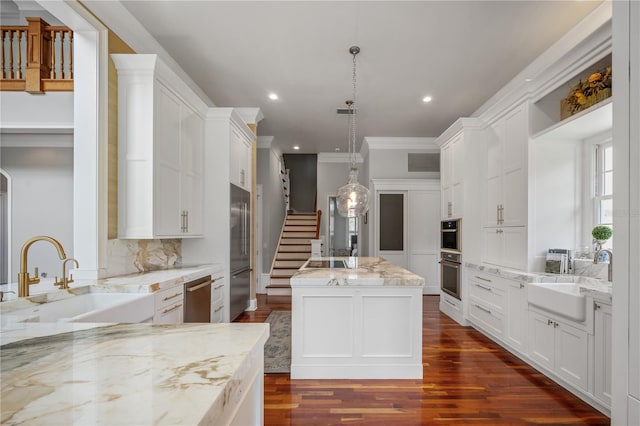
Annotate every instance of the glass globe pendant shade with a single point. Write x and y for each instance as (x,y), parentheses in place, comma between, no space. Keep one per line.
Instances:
(352,199)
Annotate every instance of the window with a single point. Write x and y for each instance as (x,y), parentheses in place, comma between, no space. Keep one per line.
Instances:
(603,185)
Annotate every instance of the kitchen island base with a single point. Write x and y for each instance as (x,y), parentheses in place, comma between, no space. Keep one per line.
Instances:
(356,332)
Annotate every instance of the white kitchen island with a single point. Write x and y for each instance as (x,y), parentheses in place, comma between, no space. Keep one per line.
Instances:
(356,318)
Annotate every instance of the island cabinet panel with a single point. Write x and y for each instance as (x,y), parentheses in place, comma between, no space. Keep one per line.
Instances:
(356,332)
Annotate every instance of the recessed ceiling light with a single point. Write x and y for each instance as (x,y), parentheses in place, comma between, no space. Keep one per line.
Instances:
(337,149)
(296,147)
(273,96)
(528,79)
(426,99)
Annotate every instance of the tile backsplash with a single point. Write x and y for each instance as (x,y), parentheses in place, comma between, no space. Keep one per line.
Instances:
(131,256)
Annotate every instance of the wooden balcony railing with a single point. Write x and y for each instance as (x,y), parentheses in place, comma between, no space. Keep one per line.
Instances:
(36,58)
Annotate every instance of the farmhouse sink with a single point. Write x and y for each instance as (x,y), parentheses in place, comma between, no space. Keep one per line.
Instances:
(561,298)
(89,307)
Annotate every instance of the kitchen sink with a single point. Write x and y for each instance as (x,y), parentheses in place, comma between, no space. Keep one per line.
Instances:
(561,298)
(89,307)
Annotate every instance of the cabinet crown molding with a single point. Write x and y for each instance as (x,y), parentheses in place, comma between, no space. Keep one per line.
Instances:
(464,123)
(231,115)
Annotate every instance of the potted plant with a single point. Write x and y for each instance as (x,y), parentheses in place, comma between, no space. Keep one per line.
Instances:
(601,234)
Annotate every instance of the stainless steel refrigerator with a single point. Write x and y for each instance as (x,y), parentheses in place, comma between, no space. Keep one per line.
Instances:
(240,284)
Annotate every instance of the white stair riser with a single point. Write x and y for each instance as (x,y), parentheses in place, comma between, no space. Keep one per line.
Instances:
(293,256)
(283,272)
(289,263)
(300,228)
(306,235)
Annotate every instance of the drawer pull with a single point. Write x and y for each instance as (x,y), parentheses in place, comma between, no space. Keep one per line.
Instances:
(483,279)
(482,308)
(171,297)
(521,285)
(218,287)
(173,308)
(218,309)
(484,287)
(450,302)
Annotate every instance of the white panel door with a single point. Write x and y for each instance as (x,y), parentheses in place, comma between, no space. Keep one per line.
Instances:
(517,315)
(541,340)
(424,237)
(391,235)
(572,355)
(514,247)
(602,356)
(167,164)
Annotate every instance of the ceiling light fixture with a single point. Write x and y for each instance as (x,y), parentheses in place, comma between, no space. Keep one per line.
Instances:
(353,199)
(296,147)
(273,96)
(427,99)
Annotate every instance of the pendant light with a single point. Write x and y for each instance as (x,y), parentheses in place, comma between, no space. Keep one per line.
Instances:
(353,199)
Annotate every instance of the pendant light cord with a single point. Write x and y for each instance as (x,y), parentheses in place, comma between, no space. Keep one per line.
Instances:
(352,137)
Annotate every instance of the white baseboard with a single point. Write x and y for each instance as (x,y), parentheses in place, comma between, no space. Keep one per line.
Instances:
(253,305)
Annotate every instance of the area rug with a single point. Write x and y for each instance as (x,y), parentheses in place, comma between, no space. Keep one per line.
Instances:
(277,350)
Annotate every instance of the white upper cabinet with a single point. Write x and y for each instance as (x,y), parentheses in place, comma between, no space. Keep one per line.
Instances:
(160,151)
(506,171)
(240,159)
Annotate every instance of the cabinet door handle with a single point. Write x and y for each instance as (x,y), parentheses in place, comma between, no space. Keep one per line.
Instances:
(186,227)
(218,309)
(482,308)
(596,306)
(451,303)
(521,285)
(171,297)
(555,324)
(483,279)
(173,308)
(483,287)
(497,214)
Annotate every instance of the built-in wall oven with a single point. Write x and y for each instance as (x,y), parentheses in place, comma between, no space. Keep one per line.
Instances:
(450,257)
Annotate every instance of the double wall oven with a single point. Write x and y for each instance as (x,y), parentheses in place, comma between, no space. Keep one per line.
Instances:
(450,257)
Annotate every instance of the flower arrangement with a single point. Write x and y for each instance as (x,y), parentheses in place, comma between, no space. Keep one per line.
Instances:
(587,93)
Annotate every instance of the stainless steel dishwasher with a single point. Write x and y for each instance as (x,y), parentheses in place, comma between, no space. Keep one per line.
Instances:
(197,300)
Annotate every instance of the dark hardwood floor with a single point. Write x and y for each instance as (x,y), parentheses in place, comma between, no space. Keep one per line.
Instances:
(468,380)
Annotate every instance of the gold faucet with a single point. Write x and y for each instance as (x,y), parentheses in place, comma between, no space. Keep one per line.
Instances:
(596,259)
(64,283)
(24,281)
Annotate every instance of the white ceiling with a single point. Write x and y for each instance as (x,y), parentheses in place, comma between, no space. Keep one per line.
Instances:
(458,52)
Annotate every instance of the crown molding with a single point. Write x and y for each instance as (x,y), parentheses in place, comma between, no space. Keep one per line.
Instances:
(265,142)
(250,115)
(464,123)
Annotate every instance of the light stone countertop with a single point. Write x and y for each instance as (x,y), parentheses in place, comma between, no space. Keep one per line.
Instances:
(596,288)
(129,374)
(144,282)
(361,271)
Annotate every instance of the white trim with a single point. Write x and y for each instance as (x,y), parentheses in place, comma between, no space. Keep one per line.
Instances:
(418,143)
(31,127)
(231,114)
(264,142)
(338,157)
(253,305)
(9,203)
(251,115)
(262,285)
(37,140)
(463,123)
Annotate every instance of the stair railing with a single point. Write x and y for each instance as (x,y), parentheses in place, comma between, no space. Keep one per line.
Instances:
(36,58)
(284,177)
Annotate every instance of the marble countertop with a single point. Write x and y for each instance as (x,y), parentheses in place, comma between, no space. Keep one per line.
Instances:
(144,282)
(133,374)
(596,288)
(360,271)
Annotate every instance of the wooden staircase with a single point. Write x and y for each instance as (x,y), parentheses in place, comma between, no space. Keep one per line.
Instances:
(294,248)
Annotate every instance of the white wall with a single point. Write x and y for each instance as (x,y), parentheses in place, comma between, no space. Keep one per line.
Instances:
(558,177)
(41,203)
(273,208)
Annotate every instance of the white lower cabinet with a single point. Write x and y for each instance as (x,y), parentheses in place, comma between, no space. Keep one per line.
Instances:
(217,298)
(560,348)
(516,313)
(602,355)
(169,307)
